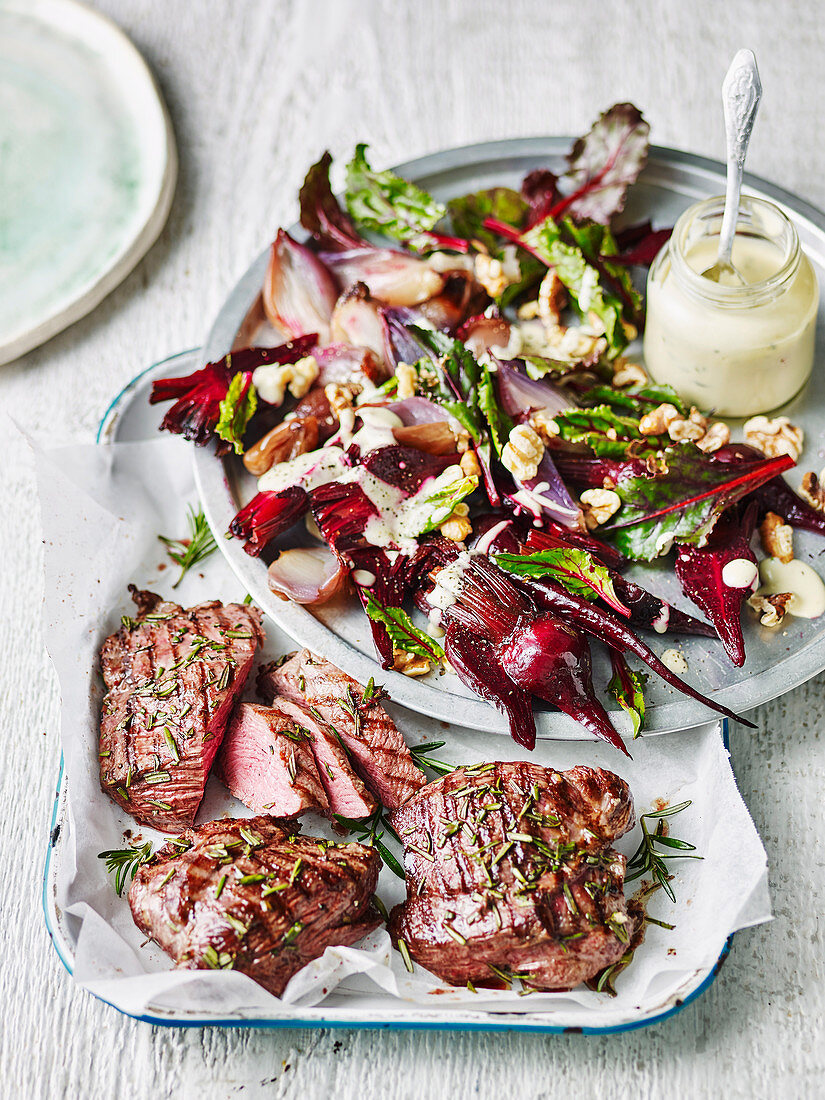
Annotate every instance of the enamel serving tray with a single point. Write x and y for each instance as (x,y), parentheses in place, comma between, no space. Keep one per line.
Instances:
(130,419)
(777,660)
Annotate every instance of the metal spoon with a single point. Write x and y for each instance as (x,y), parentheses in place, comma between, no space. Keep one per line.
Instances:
(741,93)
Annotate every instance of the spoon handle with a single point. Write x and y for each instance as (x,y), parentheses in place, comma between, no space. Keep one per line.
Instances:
(741,93)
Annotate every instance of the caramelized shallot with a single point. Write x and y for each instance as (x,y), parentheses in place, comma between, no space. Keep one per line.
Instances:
(310,575)
(299,293)
(435,439)
(287,440)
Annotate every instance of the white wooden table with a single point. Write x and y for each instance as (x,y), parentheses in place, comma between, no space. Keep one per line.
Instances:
(257,89)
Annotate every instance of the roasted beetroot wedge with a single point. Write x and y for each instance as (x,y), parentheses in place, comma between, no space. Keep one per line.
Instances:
(720,576)
(609,628)
(477,665)
(267,515)
(198,396)
(550,659)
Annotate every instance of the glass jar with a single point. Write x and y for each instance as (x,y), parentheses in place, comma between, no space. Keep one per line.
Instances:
(731,349)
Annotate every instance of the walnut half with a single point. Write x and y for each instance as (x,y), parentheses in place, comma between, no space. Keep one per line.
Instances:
(775,437)
(812,491)
(599,505)
(772,609)
(409,664)
(777,537)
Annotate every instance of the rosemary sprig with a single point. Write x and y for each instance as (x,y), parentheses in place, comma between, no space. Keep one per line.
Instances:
(191,551)
(367,832)
(120,861)
(647,860)
(419,755)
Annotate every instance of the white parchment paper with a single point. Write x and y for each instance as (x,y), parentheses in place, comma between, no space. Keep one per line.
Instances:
(103,508)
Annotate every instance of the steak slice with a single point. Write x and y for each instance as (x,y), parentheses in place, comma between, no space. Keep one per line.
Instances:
(510,870)
(375,746)
(255,896)
(346,794)
(172,677)
(266,761)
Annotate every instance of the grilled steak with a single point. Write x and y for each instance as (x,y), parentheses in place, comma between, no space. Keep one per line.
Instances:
(172,677)
(510,873)
(369,735)
(254,896)
(346,794)
(266,761)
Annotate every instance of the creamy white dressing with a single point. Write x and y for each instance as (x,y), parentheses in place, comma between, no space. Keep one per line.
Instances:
(739,573)
(448,582)
(736,350)
(364,577)
(377,429)
(675,661)
(660,623)
(489,537)
(308,470)
(402,518)
(805,584)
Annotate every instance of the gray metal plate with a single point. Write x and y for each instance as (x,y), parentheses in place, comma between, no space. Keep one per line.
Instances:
(777,660)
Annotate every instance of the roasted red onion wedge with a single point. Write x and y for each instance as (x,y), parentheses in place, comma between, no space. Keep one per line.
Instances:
(310,575)
(359,319)
(299,293)
(481,333)
(435,439)
(395,277)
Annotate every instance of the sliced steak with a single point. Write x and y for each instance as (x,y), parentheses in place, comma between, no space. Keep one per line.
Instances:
(346,794)
(376,748)
(254,896)
(510,871)
(172,677)
(266,761)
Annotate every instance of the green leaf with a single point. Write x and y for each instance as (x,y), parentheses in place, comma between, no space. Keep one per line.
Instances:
(442,502)
(499,422)
(605,162)
(580,279)
(639,399)
(236,410)
(577,570)
(468,212)
(389,205)
(627,688)
(402,631)
(598,244)
(600,428)
(532,272)
(682,500)
(538,366)
(458,374)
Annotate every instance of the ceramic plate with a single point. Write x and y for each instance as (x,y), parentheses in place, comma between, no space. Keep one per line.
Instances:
(777,660)
(88,166)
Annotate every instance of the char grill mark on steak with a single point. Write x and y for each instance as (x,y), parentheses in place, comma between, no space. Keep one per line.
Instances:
(172,676)
(255,896)
(375,746)
(266,761)
(509,866)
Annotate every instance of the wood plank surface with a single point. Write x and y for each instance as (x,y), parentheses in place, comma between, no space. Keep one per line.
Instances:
(257,89)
